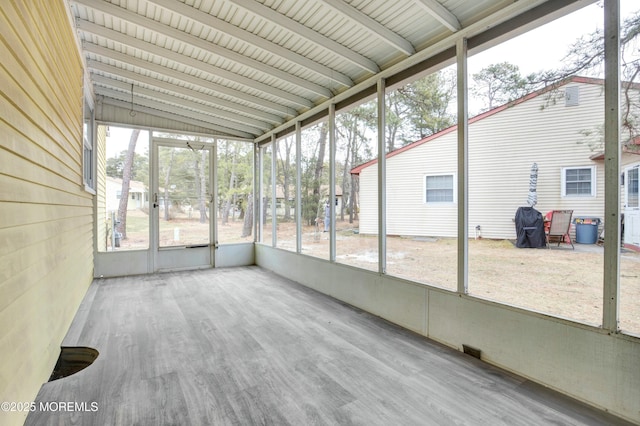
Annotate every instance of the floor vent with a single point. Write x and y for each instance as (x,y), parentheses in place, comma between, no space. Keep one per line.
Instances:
(476,353)
(72,360)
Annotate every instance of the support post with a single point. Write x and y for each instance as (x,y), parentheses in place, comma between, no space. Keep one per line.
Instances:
(298,188)
(463,168)
(213,207)
(274,194)
(258,179)
(332,182)
(611,279)
(382,178)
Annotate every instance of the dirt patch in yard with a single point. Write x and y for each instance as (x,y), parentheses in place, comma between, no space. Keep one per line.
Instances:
(558,281)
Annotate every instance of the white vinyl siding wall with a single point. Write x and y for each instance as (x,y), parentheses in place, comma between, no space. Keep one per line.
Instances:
(502,149)
(46,231)
(407,212)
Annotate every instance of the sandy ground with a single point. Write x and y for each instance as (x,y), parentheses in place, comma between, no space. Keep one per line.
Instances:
(557,281)
(560,281)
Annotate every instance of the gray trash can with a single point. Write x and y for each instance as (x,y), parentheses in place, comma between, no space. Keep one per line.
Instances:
(586,229)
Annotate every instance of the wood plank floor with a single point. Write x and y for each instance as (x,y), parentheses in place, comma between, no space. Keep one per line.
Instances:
(243,346)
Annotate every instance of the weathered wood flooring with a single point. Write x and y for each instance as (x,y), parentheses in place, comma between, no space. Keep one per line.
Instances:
(243,346)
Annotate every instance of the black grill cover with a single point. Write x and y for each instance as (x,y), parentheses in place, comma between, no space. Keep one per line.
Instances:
(529,228)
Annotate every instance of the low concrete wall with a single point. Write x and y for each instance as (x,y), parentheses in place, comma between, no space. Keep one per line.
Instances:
(241,254)
(139,262)
(583,362)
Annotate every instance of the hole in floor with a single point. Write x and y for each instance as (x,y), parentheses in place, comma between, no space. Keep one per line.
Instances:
(72,360)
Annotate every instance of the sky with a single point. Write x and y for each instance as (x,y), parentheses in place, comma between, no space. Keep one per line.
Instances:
(539,49)
(546,46)
(118,141)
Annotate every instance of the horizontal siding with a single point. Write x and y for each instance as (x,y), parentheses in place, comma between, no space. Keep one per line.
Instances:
(511,141)
(46,231)
(101,189)
(368,198)
(502,149)
(407,211)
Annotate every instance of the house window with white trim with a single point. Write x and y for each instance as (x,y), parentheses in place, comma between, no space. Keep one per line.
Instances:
(88,166)
(439,189)
(579,181)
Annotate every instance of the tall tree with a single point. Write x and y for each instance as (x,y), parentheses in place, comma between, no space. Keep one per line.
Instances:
(201,175)
(396,109)
(285,176)
(428,100)
(586,57)
(353,128)
(167,182)
(247,225)
(126,180)
(500,83)
(229,202)
(322,144)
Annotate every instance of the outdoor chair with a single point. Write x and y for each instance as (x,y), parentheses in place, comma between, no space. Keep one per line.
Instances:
(559,227)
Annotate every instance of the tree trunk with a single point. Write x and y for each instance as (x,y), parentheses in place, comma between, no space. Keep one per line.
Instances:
(317,177)
(322,142)
(202,196)
(201,184)
(126,180)
(353,201)
(167,181)
(286,177)
(232,179)
(247,226)
(347,165)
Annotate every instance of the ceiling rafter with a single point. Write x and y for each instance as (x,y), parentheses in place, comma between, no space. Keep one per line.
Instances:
(374,27)
(240,110)
(222,26)
(187,103)
(161,52)
(438,11)
(318,39)
(227,61)
(193,111)
(174,114)
(181,36)
(183,77)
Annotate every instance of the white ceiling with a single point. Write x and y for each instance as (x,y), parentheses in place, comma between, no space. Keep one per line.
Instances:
(246,68)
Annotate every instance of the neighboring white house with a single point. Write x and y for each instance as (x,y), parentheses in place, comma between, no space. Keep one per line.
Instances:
(138,194)
(547,127)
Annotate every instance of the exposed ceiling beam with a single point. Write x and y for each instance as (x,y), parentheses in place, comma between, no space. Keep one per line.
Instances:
(318,39)
(181,36)
(374,27)
(439,12)
(171,111)
(186,103)
(234,108)
(182,77)
(178,58)
(170,116)
(422,57)
(222,26)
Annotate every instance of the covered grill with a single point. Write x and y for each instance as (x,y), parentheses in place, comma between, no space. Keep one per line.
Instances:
(529,228)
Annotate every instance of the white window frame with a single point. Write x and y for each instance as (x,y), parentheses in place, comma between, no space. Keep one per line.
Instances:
(563,182)
(453,189)
(626,186)
(88,146)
